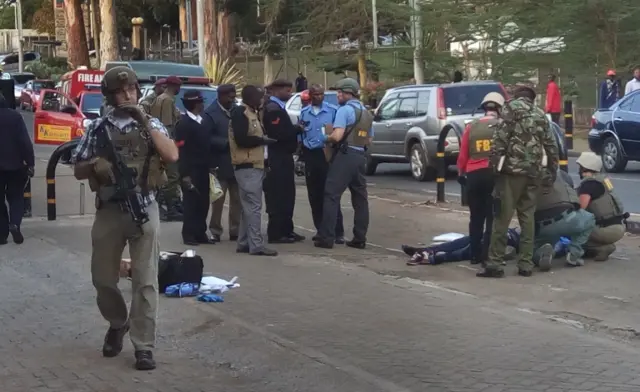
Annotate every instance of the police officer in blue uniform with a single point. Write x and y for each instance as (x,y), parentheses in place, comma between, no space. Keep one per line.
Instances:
(317,119)
(352,133)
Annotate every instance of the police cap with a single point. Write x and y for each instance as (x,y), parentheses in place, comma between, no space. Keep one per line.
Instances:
(348,85)
(493,98)
(192,96)
(117,78)
(590,161)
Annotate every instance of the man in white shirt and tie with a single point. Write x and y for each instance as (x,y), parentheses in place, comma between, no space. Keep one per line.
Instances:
(633,84)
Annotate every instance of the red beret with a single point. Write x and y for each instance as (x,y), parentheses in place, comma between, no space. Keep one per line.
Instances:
(174,80)
(160,82)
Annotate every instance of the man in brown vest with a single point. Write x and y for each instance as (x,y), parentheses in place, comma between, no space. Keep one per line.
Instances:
(352,133)
(247,145)
(475,172)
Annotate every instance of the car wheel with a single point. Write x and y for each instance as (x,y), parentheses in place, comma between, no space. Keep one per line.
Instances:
(370,166)
(420,169)
(613,159)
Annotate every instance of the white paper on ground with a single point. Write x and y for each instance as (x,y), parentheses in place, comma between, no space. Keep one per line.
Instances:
(447,237)
(213,284)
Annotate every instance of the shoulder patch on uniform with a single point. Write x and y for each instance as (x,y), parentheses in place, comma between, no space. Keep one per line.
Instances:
(275,121)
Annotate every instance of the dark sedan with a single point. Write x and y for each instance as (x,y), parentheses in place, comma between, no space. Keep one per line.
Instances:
(615,133)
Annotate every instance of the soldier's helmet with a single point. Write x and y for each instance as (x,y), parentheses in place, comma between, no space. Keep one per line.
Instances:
(590,161)
(117,78)
(348,85)
(492,100)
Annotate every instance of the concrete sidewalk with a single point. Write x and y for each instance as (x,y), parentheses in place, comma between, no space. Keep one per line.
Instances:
(319,320)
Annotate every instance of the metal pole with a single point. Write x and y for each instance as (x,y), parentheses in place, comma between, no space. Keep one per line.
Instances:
(286,55)
(20,48)
(374,12)
(189,26)
(200,17)
(82,198)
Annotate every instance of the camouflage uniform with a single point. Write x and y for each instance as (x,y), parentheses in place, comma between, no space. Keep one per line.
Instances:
(521,141)
(164,109)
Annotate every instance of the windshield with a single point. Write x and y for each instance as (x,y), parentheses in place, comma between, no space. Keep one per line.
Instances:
(37,86)
(465,99)
(23,78)
(91,102)
(209,94)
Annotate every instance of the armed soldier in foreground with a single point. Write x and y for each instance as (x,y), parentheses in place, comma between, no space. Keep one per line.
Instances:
(122,154)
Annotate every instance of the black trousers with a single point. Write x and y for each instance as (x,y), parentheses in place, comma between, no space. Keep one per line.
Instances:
(12,185)
(196,205)
(316,168)
(480,189)
(280,194)
(346,171)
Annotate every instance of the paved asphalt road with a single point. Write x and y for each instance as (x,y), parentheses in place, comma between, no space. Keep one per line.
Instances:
(398,176)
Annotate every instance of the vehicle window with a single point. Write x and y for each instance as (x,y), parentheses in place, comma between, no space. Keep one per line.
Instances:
(23,78)
(410,94)
(208,94)
(91,102)
(29,57)
(423,103)
(52,101)
(331,98)
(388,109)
(635,105)
(407,107)
(626,104)
(296,103)
(12,59)
(465,99)
(28,85)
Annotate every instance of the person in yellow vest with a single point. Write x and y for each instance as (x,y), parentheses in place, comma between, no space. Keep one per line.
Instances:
(164,109)
(248,148)
(476,173)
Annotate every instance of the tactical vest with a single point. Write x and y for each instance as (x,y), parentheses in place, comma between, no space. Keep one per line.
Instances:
(156,111)
(481,136)
(607,206)
(134,151)
(241,155)
(359,136)
(560,195)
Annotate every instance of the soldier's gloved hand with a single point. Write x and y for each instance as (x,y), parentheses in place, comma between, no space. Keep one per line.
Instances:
(268,141)
(462,180)
(136,113)
(102,168)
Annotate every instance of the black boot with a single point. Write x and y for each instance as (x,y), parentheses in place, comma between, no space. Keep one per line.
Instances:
(113,341)
(18,238)
(144,360)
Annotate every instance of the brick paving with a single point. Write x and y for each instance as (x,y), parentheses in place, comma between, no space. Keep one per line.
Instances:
(301,322)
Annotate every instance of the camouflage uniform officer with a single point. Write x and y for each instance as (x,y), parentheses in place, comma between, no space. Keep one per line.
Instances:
(164,109)
(158,89)
(523,147)
(143,144)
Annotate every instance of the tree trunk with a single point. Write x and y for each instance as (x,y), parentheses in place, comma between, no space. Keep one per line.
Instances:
(109,50)
(77,49)
(94,10)
(362,68)
(218,33)
(268,69)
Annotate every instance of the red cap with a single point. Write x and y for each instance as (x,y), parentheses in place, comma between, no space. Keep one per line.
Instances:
(160,82)
(305,96)
(611,73)
(173,80)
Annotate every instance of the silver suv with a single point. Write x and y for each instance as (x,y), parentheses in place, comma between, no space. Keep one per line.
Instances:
(409,121)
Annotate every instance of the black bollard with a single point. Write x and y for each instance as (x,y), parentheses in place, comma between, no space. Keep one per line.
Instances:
(568,124)
(27,199)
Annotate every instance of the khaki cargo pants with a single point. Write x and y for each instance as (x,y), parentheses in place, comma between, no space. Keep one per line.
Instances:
(112,230)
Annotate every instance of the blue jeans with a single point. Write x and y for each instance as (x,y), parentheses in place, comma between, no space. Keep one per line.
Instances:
(460,249)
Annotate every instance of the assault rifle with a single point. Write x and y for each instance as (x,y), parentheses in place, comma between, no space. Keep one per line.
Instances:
(124,181)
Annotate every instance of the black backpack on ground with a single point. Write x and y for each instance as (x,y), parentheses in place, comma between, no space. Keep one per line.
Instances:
(176,269)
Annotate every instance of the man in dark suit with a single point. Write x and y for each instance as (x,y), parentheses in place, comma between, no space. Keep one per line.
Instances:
(216,120)
(193,141)
(16,166)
